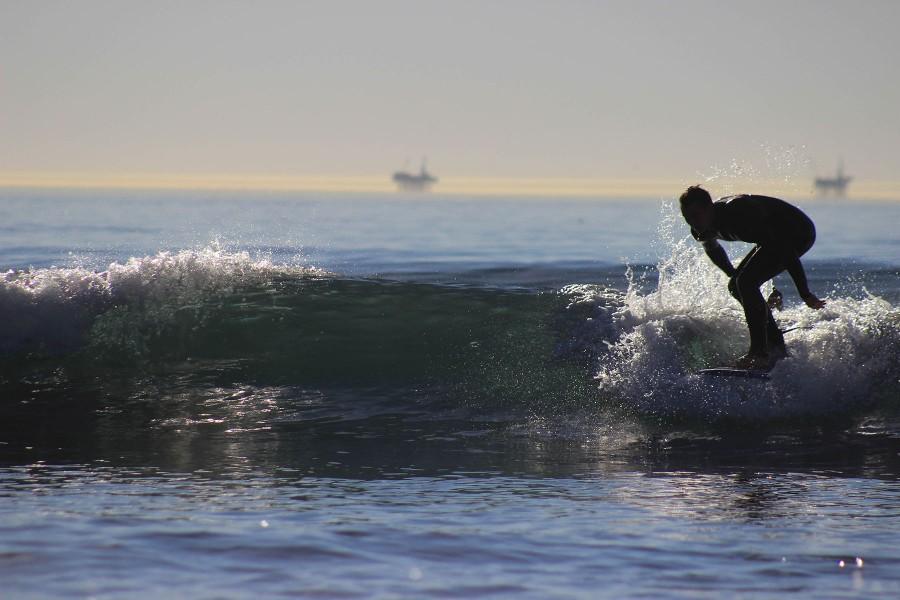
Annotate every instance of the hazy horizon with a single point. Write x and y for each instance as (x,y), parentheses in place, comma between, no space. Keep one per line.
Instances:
(496,94)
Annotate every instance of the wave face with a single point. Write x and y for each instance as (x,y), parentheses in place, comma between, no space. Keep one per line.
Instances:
(213,320)
(212,312)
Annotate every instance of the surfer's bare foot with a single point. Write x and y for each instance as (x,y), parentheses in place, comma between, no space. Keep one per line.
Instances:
(753,361)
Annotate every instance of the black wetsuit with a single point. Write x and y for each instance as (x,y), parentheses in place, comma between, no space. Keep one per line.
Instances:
(782,234)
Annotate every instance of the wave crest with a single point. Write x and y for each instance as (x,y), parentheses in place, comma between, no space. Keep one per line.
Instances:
(51,310)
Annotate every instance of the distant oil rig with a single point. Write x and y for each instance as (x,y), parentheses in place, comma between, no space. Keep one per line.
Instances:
(836,185)
(415,182)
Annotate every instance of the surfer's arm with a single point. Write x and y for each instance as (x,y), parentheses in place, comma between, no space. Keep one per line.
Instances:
(794,267)
(718,256)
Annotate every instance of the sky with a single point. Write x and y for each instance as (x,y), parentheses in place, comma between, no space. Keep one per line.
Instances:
(633,92)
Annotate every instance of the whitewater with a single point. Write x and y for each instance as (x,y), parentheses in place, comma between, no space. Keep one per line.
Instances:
(351,394)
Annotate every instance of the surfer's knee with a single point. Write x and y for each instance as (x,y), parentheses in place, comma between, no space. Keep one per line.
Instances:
(744,286)
(733,288)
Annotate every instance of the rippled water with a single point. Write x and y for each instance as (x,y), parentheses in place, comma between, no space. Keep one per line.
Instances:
(358,396)
(400,506)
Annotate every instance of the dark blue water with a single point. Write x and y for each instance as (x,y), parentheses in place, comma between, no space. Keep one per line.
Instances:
(243,395)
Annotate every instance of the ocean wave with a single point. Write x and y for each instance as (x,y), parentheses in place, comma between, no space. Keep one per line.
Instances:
(211,314)
(209,319)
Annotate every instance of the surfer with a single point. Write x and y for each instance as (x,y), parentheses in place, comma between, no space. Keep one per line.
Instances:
(782,234)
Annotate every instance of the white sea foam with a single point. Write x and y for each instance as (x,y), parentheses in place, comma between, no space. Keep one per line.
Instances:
(841,358)
(50,309)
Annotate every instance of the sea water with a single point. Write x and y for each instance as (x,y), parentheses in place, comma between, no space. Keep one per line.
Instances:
(325,395)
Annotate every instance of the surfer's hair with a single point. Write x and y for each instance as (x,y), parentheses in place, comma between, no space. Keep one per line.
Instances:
(694,195)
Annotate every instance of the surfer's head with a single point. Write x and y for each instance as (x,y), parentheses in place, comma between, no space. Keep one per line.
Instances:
(697,208)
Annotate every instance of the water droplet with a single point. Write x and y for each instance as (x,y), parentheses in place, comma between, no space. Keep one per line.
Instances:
(263,523)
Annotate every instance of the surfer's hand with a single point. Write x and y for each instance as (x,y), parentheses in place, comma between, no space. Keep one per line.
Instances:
(775,300)
(813,302)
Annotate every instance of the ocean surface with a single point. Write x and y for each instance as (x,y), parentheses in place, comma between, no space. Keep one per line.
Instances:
(251,395)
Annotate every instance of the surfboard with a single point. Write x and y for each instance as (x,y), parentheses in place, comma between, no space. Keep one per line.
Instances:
(733,372)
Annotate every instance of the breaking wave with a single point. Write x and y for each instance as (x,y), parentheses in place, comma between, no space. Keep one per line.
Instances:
(58,310)
(214,318)
(843,359)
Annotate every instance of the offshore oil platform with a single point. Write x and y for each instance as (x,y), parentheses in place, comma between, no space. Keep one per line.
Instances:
(414,182)
(836,185)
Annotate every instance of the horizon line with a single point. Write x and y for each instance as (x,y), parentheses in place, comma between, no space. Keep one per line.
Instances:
(570,187)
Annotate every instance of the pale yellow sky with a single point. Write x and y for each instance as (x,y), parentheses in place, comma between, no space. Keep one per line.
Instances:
(481,186)
(575,98)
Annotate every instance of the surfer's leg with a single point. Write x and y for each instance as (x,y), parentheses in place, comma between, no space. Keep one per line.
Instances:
(732,283)
(774,336)
(758,267)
